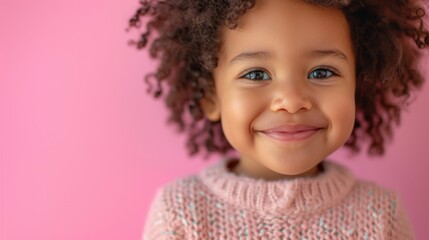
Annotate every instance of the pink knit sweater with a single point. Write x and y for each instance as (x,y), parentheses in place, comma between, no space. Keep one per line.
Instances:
(217,204)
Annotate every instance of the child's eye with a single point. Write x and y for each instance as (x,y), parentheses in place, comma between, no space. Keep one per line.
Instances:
(321,73)
(257,75)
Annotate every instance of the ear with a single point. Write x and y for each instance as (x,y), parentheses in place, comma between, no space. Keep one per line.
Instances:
(210,106)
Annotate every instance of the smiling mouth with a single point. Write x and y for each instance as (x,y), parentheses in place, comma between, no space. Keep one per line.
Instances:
(291,134)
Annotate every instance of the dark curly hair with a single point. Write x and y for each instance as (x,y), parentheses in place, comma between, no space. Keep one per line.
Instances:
(185,36)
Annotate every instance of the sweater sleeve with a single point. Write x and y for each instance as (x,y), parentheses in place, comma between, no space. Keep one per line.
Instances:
(160,222)
(402,229)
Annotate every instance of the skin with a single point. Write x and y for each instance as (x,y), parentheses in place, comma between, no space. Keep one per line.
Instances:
(285,85)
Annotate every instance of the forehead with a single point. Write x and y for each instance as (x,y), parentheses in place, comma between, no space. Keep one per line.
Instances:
(287,26)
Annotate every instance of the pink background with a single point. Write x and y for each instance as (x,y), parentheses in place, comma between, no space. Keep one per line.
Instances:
(83,148)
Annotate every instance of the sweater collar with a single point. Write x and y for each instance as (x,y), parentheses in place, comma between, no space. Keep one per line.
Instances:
(291,196)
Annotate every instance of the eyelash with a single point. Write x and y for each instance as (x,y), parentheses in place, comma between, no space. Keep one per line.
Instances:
(332,73)
(253,71)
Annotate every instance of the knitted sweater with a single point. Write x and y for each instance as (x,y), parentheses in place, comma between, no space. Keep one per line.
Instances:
(217,204)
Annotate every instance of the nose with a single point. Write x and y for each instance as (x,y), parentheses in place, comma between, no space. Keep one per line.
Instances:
(291,98)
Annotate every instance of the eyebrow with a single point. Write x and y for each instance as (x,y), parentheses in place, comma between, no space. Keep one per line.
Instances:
(260,55)
(330,52)
(249,56)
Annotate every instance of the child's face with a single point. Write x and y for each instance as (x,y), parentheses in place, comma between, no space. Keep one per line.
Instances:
(285,85)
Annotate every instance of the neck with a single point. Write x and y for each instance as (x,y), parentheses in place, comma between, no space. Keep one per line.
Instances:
(241,169)
(296,196)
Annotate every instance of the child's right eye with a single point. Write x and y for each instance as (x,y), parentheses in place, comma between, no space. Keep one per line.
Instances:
(257,75)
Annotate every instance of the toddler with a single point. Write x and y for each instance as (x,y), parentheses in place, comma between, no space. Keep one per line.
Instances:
(281,84)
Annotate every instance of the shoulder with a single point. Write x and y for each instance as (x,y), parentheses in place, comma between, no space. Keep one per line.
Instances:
(184,197)
(379,209)
(173,208)
(373,198)
(182,189)
(197,188)
(371,191)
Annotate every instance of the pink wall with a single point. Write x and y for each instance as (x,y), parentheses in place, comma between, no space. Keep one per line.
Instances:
(83,148)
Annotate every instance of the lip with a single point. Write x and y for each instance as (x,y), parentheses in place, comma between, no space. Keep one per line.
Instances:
(291,132)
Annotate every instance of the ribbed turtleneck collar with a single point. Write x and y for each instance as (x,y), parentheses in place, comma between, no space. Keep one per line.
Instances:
(290,196)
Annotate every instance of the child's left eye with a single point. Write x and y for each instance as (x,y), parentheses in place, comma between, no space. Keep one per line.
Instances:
(321,73)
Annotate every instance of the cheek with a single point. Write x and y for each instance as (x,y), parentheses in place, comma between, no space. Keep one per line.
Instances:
(240,105)
(346,117)
(341,111)
(239,109)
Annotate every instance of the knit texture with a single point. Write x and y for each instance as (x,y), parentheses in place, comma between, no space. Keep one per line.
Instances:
(217,204)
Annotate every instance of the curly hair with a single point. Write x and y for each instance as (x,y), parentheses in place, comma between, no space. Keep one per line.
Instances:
(386,37)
